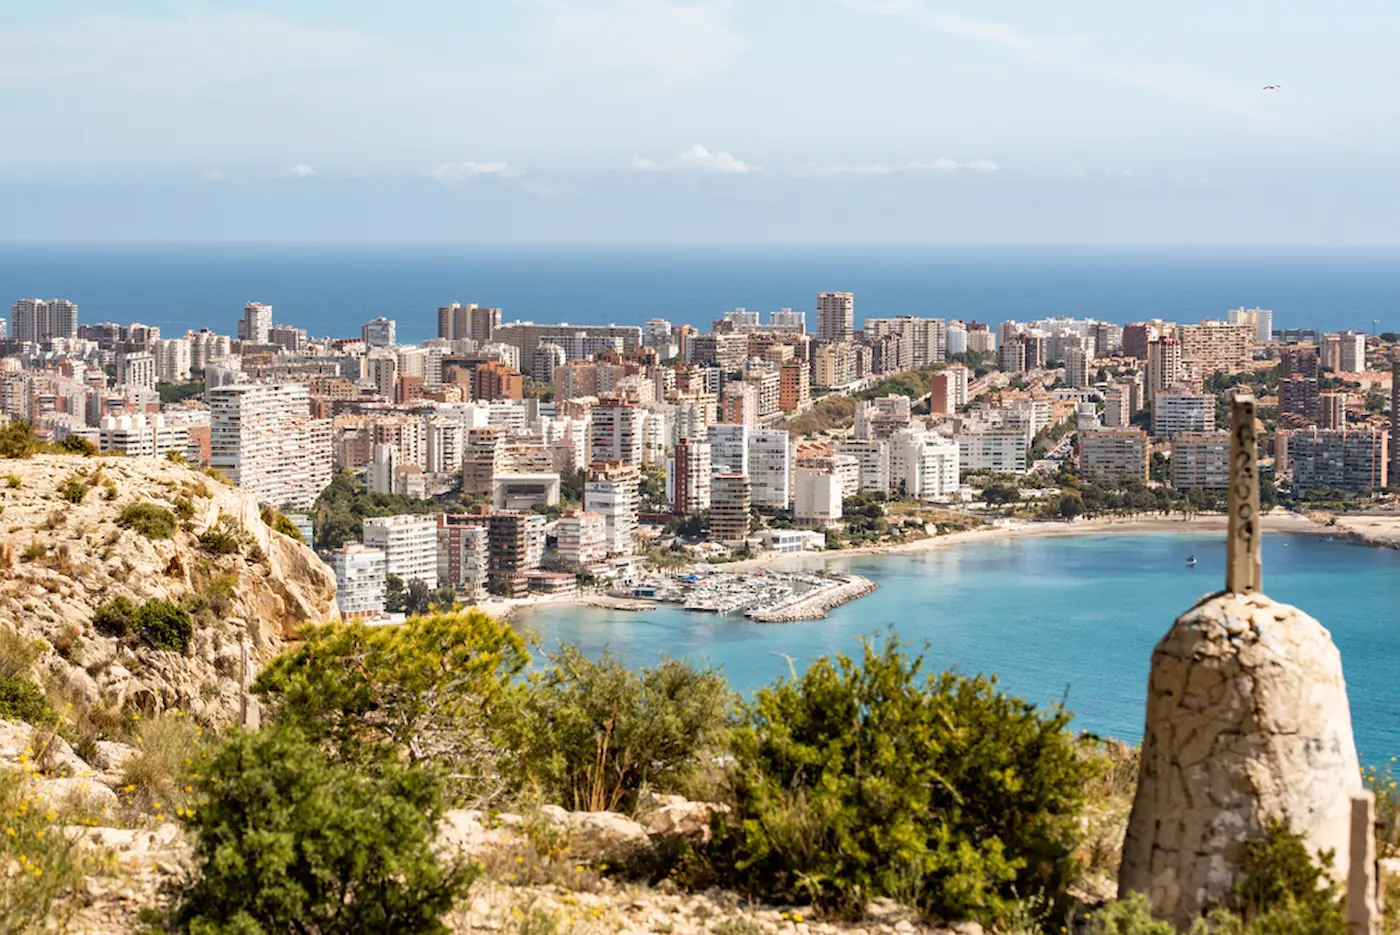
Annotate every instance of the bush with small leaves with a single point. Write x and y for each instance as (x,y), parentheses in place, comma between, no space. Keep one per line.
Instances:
(17,440)
(290,841)
(151,521)
(14,481)
(281,523)
(165,626)
(217,541)
(33,551)
(116,617)
(73,489)
(21,699)
(77,445)
(1131,915)
(184,509)
(872,778)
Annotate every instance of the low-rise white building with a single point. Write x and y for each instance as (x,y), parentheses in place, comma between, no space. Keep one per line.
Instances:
(142,436)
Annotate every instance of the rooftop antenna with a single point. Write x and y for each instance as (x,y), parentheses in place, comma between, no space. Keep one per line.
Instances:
(1243,562)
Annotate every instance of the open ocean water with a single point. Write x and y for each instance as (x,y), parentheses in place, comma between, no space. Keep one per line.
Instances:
(331,290)
(1056,618)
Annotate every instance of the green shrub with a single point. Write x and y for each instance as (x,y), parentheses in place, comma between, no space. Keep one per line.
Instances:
(76,445)
(592,734)
(218,541)
(165,625)
(872,779)
(33,551)
(116,617)
(13,481)
(184,509)
(21,699)
(1285,890)
(17,440)
(289,841)
(151,521)
(1131,915)
(42,870)
(281,523)
(73,489)
(1383,784)
(423,691)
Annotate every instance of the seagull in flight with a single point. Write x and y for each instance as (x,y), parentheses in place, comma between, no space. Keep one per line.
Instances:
(1272,87)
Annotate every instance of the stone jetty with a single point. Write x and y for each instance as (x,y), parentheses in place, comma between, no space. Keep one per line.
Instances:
(815,605)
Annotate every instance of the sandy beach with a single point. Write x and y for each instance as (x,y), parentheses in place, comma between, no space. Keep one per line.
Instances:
(1382,531)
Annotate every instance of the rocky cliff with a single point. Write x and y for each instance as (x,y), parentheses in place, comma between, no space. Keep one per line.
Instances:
(67,549)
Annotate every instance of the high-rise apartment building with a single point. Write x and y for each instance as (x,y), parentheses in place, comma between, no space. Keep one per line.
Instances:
(1298,394)
(379,333)
(1012,356)
(1332,410)
(729,507)
(872,462)
(770,469)
(1116,412)
(794,386)
(613,491)
(1164,365)
(1114,454)
(1175,411)
(477,322)
(516,545)
(1339,459)
(409,543)
(948,390)
(818,495)
(263,439)
(690,477)
(834,365)
(483,459)
(172,359)
(255,327)
(34,320)
(360,581)
(463,552)
(923,466)
(788,320)
(729,448)
(1076,367)
(1260,321)
(582,538)
(290,339)
(1201,461)
(836,316)
(1215,347)
(1352,351)
(136,369)
(617,431)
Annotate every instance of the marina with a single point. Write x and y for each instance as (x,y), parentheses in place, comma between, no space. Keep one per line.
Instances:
(763,596)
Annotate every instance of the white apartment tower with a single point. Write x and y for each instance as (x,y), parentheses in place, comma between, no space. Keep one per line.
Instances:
(172,357)
(770,469)
(360,578)
(34,320)
(137,369)
(836,314)
(612,492)
(729,448)
(255,327)
(924,465)
(378,333)
(262,437)
(409,544)
(617,431)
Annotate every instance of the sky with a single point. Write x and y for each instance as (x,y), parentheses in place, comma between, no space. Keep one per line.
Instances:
(1004,121)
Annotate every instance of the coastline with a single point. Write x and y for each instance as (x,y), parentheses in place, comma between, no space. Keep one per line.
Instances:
(1375,531)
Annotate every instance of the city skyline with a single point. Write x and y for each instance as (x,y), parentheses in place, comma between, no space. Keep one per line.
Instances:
(627,120)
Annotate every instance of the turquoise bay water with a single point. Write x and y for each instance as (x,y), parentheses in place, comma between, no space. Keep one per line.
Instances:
(1071,618)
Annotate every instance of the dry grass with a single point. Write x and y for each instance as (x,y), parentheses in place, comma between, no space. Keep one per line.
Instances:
(17,652)
(1109,799)
(156,780)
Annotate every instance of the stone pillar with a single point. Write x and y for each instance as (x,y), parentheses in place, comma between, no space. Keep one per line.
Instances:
(1363,882)
(1247,721)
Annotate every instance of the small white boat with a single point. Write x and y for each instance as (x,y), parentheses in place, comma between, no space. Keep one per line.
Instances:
(1191,561)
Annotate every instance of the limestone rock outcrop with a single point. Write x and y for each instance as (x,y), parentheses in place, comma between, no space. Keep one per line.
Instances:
(60,560)
(1247,722)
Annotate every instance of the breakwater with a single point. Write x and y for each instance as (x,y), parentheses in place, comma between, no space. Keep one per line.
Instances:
(814,606)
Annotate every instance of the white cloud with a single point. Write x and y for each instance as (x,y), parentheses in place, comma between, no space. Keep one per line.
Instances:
(697,159)
(452,173)
(213,176)
(660,41)
(981,165)
(301,170)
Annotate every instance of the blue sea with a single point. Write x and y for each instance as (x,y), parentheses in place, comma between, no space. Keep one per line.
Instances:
(1070,619)
(331,290)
